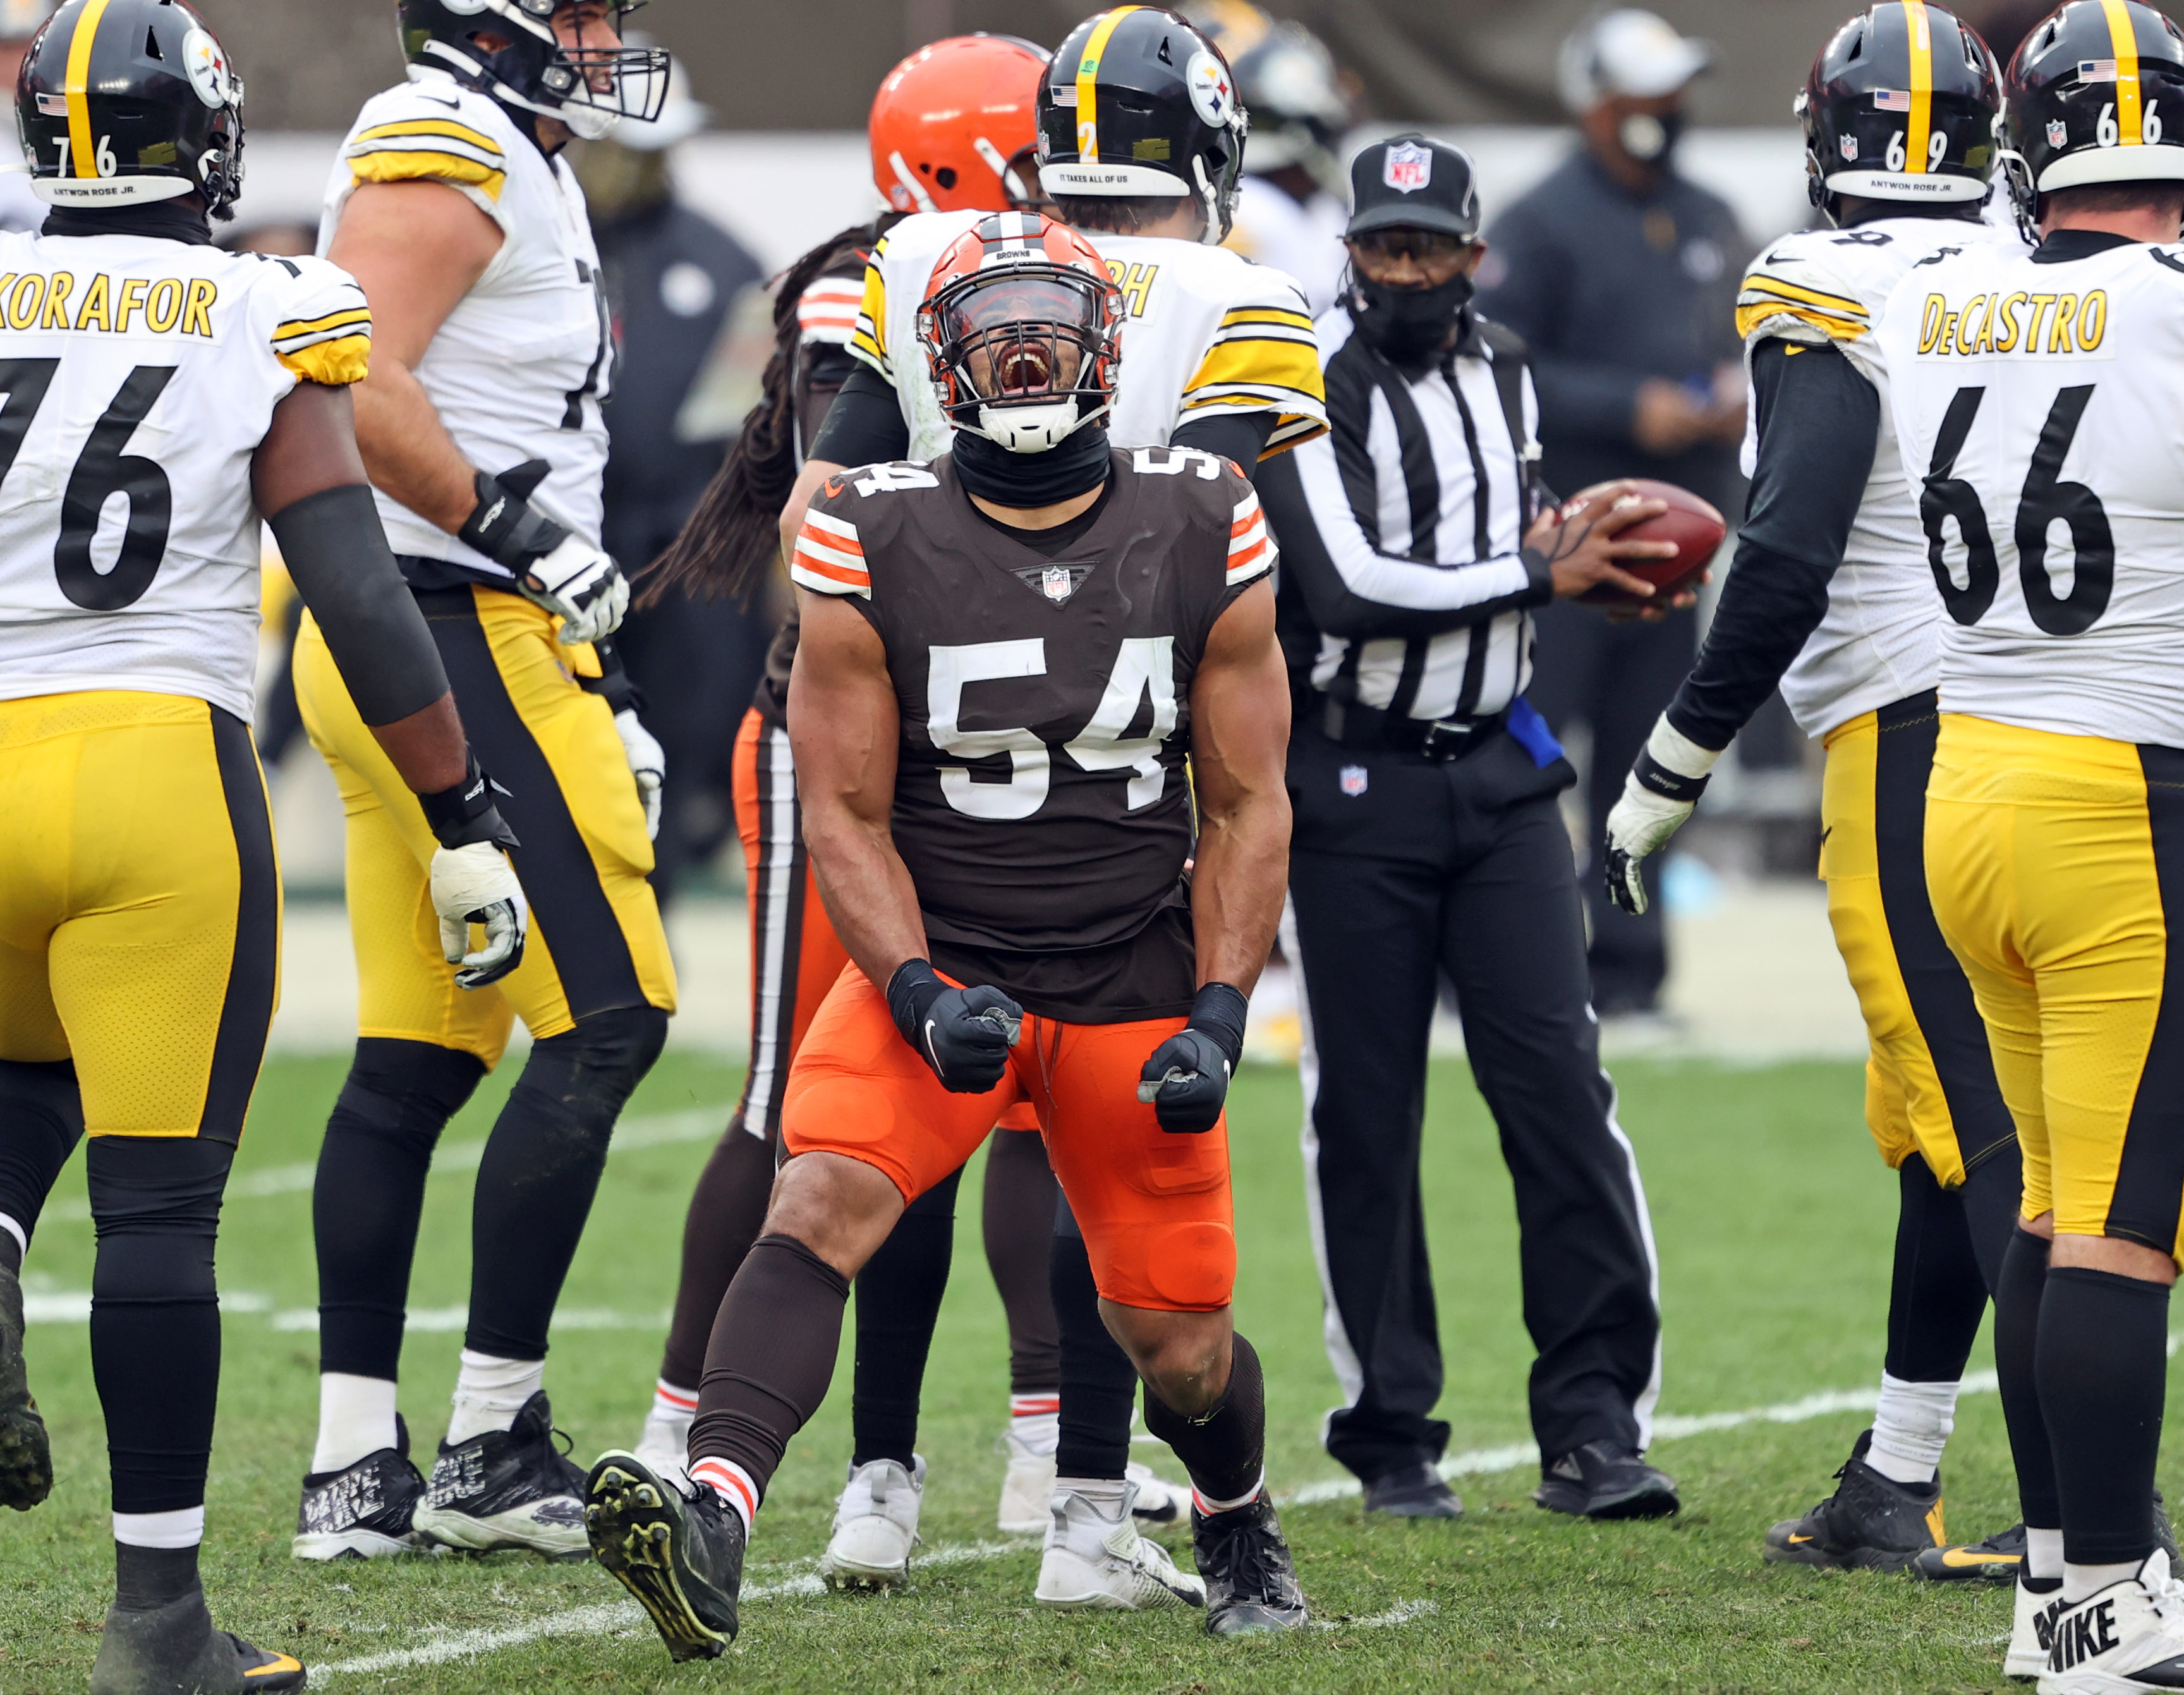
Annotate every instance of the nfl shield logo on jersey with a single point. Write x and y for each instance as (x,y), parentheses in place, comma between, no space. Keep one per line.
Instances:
(1408,168)
(1055,580)
(1353,780)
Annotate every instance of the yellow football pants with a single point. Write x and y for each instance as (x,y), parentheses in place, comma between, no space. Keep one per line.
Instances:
(1930,1083)
(2054,860)
(596,939)
(140,908)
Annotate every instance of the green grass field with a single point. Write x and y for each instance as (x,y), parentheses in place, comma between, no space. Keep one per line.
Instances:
(1773,1218)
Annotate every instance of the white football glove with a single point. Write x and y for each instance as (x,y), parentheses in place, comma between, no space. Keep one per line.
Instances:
(475,884)
(1661,791)
(648,764)
(582,586)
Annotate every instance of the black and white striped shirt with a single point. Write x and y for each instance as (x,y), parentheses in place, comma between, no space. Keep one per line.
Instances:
(1401,530)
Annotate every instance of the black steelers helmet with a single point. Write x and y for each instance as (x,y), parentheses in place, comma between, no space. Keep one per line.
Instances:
(2095,94)
(1903,104)
(122,102)
(591,88)
(1137,102)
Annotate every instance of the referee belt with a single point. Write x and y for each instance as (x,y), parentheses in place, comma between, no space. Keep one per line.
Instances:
(1442,740)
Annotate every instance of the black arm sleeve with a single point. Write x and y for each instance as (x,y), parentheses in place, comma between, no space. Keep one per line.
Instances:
(865,425)
(1818,422)
(1241,439)
(336,552)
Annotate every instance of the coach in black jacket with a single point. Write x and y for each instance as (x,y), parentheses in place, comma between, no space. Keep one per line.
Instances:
(1428,838)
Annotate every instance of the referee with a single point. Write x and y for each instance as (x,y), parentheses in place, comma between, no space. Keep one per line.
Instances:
(1428,839)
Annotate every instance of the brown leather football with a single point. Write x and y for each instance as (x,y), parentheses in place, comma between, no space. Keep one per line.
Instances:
(1695,526)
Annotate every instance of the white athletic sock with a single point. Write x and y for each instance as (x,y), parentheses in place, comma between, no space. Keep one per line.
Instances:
(489,1392)
(181,1528)
(2080,1581)
(1208,1508)
(1036,1422)
(671,1400)
(2043,1554)
(21,1235)
(356,1417)
(1104,1491)
(733,1484)
(1911,1426)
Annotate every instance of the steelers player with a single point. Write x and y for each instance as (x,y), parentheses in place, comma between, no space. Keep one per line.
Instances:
(480,427)
(1142,138)
(1018,581)
(2036,399)
(1831,600)
(161,396)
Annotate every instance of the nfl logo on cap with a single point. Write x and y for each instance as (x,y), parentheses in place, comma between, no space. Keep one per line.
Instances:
(1408,168)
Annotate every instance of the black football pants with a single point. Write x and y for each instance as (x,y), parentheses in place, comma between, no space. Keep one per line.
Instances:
(1411,870)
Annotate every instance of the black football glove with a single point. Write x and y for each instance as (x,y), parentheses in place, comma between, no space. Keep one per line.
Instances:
(1187,1078)
(965,1034)
(577,582)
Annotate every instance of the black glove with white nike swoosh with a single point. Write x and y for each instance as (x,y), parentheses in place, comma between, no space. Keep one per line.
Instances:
(965,1034)
(555,568)
(1187,1078)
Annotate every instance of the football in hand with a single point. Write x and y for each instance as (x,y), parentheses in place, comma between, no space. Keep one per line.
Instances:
(1695,527)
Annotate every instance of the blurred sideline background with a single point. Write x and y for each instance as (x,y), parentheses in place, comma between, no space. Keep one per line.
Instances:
(773,154)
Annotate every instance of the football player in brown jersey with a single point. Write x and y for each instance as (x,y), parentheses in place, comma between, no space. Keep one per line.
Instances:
(1007,657)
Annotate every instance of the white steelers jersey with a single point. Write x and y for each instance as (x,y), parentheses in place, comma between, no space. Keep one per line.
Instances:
(140,377)
(2038,402)
(519,370)
(1206,334)
(1879,641)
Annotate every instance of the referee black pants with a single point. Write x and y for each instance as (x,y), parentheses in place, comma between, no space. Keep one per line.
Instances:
(1401,868)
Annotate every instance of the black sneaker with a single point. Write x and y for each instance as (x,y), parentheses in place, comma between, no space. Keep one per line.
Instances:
(27,1459)
(1871,1523)
(161,1650)
(1996,1560)
(507,1489)
(1250,1584)
(679,1551)
(363,1511)
(1416,1492)
(1604,1480)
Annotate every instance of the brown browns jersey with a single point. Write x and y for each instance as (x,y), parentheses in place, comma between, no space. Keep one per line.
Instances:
(1041,802)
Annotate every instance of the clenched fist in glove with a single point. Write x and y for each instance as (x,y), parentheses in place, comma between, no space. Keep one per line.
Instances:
(555,568)
(1186,1081)
(1663,786)
(473,882)
(965,1034)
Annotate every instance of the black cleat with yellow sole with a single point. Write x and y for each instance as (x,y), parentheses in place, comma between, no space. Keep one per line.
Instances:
(162,1650)
(1871,1523)
(1998,1558)
(680,1553)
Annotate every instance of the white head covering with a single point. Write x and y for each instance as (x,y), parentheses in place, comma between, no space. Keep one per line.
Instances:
(1630,53)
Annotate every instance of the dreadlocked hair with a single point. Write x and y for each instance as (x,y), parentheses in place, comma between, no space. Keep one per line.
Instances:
(728,547)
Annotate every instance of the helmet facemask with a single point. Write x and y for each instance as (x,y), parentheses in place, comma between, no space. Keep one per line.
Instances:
(1023,352)
(590,84)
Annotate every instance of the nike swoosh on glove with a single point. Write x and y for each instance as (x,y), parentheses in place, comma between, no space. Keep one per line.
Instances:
(965,1034)
(648,764)
(475,884)
(554,567)
(1662,790)
(1186,1081)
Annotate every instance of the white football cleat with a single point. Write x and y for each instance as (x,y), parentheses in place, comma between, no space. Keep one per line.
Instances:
(665,1446)
(1027,1488)
(1096,1561)
(2127,1636)
(1158,1501)
(2032,1628)
(875,1527)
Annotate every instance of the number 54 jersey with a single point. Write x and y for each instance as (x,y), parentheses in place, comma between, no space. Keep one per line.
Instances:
(1041,805)
(138,377)
(2036,400)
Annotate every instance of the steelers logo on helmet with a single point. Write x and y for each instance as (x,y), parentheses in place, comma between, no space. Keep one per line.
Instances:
(1021,327)
(1212,90)
(207,68)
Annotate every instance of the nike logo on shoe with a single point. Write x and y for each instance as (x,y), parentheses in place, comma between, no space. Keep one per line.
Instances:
(1959,1557)
(2083,1634)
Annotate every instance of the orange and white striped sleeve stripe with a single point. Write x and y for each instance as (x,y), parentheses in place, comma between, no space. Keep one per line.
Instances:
(827,311)
(829,559)
(1252,551)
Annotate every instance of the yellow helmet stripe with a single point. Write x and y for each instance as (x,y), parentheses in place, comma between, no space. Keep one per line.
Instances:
(82,155)
(2124,38)
(1087,83)
(1921,31)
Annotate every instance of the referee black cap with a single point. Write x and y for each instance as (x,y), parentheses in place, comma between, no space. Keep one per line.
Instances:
(1414,182)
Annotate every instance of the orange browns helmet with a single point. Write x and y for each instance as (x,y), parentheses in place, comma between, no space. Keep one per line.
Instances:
(952,128)
(1021,328)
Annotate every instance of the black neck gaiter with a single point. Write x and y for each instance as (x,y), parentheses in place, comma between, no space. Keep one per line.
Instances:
(167,219)
(1030,480)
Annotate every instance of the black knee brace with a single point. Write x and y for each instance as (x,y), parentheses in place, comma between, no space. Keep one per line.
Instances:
(541,1169)
(155,1311)
(41,1122)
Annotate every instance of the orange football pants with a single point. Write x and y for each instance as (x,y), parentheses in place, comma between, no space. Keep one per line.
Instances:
(1155,1208)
